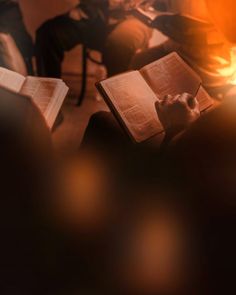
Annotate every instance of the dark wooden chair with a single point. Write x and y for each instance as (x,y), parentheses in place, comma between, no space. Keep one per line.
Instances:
(86,56)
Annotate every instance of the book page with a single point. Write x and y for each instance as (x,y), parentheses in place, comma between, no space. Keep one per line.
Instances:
(204,99)
(134,101)
(41,90)
(11,80)
(47,93)
(171,75)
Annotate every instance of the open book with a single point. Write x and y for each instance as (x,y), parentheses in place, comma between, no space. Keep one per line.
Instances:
(131,96)
(148,14)
(47,93)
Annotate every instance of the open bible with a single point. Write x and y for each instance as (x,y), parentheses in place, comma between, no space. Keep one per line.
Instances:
(131,96)
(47,93)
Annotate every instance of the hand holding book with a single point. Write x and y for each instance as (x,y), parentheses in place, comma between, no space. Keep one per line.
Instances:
(177,113)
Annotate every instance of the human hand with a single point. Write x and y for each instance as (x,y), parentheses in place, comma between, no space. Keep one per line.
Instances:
(177,113)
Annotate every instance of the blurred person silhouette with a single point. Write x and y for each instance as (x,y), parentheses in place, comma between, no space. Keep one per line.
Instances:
(26,183)
(89,23)
(205,157)
(12,23)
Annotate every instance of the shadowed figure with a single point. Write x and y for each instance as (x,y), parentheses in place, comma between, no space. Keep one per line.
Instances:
(25,177)
(89,24)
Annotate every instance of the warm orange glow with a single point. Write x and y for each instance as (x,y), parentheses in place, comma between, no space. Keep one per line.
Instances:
(228,69)
(84,205)
(223,15)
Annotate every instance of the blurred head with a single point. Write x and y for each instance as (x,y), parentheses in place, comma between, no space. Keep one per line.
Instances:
(207,157)
(223,14)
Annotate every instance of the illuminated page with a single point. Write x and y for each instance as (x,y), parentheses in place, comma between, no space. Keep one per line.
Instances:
(11,80)
(46,93)
(171,75)
(134,101)
(204,99)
